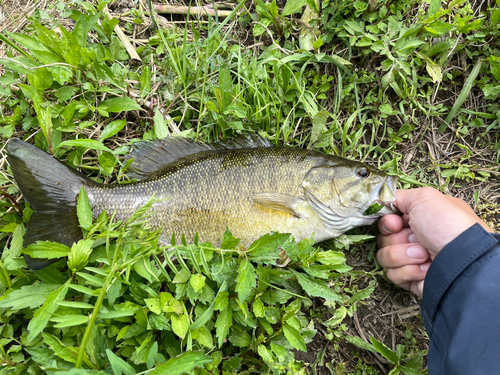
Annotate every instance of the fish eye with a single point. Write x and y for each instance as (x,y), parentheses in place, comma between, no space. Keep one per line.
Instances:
(363,172)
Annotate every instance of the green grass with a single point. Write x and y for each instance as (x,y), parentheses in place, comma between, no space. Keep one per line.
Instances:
(410,88)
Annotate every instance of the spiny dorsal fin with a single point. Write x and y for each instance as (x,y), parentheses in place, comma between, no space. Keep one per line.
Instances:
(151,156)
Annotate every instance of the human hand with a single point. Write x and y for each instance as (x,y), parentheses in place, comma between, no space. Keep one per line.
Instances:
(408,244)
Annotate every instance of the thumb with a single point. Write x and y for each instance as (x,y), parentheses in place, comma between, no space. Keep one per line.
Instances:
(406,200)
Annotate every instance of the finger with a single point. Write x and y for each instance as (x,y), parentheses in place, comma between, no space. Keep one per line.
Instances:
(401,276)
(402,254)
(416,287)
(402,236)
(390,224)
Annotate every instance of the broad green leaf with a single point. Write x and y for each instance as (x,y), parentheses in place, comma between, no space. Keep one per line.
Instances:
(495,66)
(358,341)
(264,248)
(112,129)
(153,305)
(316,288)
(118,365)
(239,337)
(246,279)
(182,277)
(160,125)
(434,7)
(319,122)
(184,363)
(145,80)
(222,325)
(119,105)
(258,308)
(228,241)
(197,281)
(70,320)
(44,313)
(85,143)
(384,350)
(180,325)
(29,296)
(294,337)
(293,6)
(46,249)
(330,258)
(495,17)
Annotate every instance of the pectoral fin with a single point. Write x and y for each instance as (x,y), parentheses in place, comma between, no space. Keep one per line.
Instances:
(281,202)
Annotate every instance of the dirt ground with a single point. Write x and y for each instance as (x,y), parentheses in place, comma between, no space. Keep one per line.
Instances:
(391,315)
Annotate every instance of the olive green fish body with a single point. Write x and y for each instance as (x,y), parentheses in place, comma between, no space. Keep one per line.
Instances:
(244,184)
(208,191)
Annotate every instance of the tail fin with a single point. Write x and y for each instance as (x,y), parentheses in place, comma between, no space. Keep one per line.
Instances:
(51,188)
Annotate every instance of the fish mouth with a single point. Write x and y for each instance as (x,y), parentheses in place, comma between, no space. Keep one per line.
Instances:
(387,196)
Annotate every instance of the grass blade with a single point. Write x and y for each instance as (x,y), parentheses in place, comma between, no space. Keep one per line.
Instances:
(463,95)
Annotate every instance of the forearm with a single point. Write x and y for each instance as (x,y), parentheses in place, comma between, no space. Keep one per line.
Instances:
(461,302)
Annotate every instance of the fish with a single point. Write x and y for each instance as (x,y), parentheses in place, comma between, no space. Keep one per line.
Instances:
(246,185)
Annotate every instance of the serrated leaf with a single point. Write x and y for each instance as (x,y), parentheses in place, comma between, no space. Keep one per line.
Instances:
(44,313)
(316,288)
(184,363)
(222,325)
(330,258)
(29,296)
(246,279)
(118,365)
(264,249)
(46,249)
(294,337)
(119,104)
(79,254)
(228,241)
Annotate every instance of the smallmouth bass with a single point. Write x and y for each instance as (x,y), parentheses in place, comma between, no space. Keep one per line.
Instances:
(245,184)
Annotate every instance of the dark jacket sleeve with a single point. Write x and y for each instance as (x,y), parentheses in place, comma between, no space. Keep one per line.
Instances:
(461,305)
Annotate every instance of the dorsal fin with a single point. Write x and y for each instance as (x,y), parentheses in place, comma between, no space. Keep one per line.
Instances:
(151,156)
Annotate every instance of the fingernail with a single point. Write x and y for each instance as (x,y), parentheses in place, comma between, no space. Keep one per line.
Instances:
(412,238)
(424,267)
(416,252)
(387,225)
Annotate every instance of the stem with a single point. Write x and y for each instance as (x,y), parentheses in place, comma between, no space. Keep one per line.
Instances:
(93,319)
(100,298)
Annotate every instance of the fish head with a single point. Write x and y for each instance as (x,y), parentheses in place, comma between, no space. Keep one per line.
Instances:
(348,194)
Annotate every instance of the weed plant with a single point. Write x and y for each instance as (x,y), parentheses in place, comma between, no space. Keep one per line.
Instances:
(377,82)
